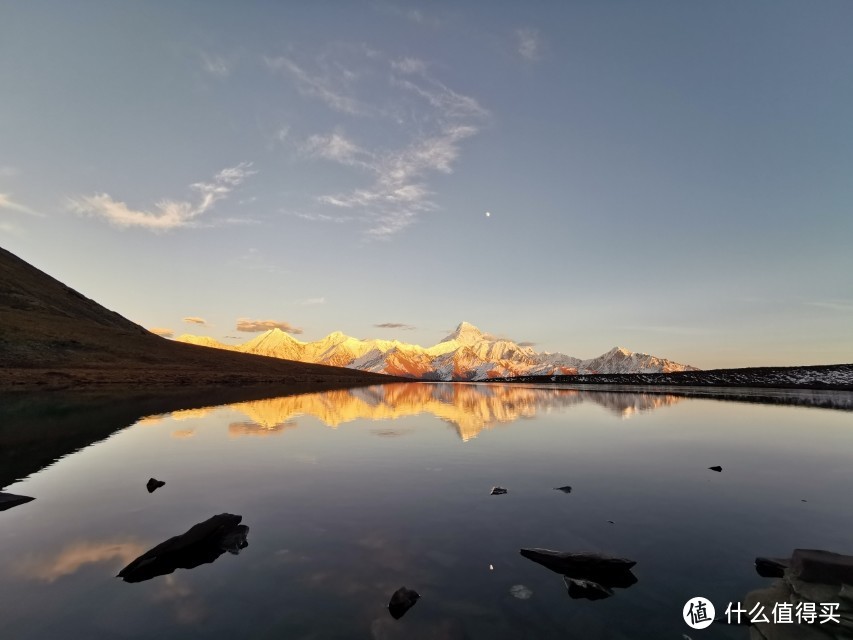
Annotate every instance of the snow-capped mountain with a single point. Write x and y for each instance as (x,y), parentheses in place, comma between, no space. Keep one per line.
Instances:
(466,354)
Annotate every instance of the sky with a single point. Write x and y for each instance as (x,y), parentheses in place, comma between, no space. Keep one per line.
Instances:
(672,177)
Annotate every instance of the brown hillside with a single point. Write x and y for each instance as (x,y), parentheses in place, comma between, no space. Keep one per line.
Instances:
(51,336)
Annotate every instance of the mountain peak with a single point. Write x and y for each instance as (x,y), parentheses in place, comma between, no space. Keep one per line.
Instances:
(465,333)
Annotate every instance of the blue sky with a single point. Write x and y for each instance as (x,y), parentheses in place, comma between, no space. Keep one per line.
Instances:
(672,177)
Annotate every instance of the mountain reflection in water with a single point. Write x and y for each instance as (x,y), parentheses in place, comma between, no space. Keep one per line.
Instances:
(470,408)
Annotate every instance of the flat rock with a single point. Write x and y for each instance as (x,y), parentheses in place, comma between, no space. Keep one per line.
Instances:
(598,567)
(586,589)
(566,489)
(402,600)
(826,567)
(201,544)
(153,484)
(498,491)
(9,500)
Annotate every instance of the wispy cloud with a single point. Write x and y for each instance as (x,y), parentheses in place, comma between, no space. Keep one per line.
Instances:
(427,120)
(162,331)
(329,84)
(529,43)
(6,202)
(312,301)
(10,229)
(256,326)
(168,214)
(256,260)
(409,65)
(215,65)
(526,343)
(834,305)
(395,325)
(8,171)
(195,320)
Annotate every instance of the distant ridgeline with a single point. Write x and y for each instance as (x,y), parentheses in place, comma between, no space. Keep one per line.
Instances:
(836,376)
(466,354)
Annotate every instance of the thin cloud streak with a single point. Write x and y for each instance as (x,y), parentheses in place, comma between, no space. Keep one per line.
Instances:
(168,214)
(6,202)
(195,320)
(395,325)
(247,325)
(162,332)
(834,305)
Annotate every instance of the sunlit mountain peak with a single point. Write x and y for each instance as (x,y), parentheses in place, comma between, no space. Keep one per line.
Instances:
(466,333)
(466,354)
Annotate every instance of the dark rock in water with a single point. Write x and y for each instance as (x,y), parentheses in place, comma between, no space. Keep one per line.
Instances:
(611,522)
(9,500)
(154,484)
(592,566)
(497,491)
(771,567)
(566,489)
(825,567)
(717,468)
(201,544)
(586,589)
(402,600)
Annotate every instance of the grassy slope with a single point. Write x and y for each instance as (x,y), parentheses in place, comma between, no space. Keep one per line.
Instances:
(53,337)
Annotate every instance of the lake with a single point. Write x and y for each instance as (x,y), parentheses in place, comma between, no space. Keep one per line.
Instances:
(350,495)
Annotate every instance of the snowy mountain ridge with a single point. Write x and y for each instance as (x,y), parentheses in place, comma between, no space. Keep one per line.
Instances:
(466,354)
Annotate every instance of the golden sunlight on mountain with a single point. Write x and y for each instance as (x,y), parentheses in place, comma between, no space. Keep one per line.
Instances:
(191,414)
(237,429)
(469,408)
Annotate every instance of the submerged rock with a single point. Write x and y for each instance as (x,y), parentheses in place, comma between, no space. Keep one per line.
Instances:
(716,468)
(153,484)
(402,600)
(566,489)
(497,491)
(520,592)
(579,565)
(9,500)
(201,544)
(771,567)
(586,589)
(607,571)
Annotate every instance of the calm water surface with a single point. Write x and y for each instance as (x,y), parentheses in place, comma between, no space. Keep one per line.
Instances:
(349,495)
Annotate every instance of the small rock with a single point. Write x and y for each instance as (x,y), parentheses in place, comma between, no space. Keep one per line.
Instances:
(154,484)
(497,491)
(611,522)
(717,468)
(586,589)
(402,600)
(9,500)
(566,489)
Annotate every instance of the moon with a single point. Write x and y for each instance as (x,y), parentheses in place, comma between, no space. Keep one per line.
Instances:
(488,214)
